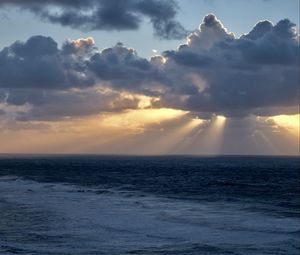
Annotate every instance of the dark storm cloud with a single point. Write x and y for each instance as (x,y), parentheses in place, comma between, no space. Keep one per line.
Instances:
(243,75)
(121,68)
(108,14)
(213,73)
(75,80)
(39,63)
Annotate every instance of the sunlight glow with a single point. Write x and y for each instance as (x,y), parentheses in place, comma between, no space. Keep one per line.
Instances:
(138,119)
(290,122)
(285,123)
(221,118)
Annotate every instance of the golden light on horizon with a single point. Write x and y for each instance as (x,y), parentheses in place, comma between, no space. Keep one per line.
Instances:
(143,131)
(289,122)
(81,135)
(140,118)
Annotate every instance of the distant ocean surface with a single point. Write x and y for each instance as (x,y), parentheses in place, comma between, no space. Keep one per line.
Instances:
(116,205)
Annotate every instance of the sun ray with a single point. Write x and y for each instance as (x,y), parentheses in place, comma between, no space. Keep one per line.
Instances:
(175,140)
(210,139)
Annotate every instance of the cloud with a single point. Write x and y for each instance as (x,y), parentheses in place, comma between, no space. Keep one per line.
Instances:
(254,74)
(74,80)
(214,73)
(38,63)
(107,14)
(122,69)
(57,105)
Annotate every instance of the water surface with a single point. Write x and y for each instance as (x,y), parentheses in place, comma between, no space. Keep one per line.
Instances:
(149,205)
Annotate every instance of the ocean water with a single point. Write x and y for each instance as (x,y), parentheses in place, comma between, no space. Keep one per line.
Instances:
(149,205)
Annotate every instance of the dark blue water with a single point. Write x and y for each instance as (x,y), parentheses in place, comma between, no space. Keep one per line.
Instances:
(149,205)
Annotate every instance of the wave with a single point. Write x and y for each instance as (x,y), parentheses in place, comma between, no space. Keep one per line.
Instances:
(50,218)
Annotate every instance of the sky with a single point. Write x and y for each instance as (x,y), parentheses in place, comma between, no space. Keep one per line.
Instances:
(149,77)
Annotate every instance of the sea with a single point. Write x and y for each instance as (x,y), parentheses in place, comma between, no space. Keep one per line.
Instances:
(117,205)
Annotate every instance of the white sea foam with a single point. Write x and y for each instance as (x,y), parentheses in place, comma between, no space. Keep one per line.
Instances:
(66,219)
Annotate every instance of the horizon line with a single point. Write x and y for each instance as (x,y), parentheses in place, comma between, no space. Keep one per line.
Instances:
(2,155)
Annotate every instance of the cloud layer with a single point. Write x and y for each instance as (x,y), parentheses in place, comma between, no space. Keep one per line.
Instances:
(214,73)
(252,74)
(107,14)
